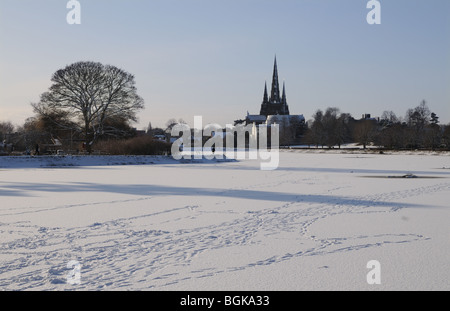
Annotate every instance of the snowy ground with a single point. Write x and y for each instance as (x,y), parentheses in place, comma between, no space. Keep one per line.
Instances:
(312,224)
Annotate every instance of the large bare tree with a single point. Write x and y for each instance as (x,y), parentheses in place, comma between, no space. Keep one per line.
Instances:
(417,120)
(93,95)
(364,131)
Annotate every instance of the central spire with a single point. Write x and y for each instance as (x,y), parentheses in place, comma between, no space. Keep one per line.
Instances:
(275,93)
(276,104)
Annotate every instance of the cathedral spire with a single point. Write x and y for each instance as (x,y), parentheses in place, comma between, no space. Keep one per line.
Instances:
(284,105)
(275,93)
(265,101)
(266,97)
(276,104)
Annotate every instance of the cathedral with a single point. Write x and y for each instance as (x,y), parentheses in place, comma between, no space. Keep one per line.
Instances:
(274,109)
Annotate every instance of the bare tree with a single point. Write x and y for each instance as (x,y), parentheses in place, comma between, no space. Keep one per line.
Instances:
(343,129)
(316,133)
(330,123)
(446,136)
(5,128)
(172,122)
(92,95)
(392,135)
(330,128)
(417,120)
(364,131)
(391,131)
(388,118)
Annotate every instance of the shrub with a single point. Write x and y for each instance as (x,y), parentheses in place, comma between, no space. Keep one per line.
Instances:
(142,145)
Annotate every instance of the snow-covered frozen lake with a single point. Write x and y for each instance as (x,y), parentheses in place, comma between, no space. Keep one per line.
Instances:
(312,224)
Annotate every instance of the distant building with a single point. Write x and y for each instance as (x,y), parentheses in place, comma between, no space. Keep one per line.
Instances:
(274,108)
(255,118)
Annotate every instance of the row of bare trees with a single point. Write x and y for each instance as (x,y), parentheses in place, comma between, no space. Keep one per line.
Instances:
(419,129)
(330,129)
(88,102)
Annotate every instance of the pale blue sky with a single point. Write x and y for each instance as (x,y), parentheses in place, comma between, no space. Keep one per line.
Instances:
(211,57)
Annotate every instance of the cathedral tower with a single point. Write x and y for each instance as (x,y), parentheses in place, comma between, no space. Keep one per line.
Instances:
(276,104)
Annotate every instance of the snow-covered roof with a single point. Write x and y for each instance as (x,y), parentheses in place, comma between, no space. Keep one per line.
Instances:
(256,117)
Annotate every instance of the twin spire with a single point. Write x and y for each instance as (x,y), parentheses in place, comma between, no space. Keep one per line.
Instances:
(276,104)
